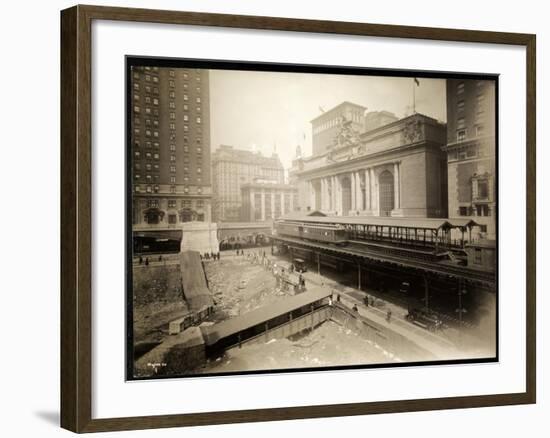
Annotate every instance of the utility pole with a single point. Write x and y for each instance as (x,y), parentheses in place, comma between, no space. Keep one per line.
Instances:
(461,291)
(415,84)
(426,293)
(318,264)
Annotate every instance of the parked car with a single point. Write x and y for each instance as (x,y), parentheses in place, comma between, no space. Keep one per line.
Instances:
(425,319)
(299,265)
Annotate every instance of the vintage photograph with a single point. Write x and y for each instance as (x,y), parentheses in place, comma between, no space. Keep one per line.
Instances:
(286,218)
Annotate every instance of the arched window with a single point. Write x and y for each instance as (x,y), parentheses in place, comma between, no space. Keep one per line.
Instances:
(153,215)
(386,193)
(346,195)
(187,215)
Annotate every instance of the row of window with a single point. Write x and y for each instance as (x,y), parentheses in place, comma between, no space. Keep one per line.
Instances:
(137,110)
(148,166)
(463,153)
(149,177)
(172,127)
(173,203)
(156,188)
(148,144)
(148,88)
(477,210)
(172,74)
(184,216)
(461,86)
(147,100)
(172,105)
(461,133)
(155,100)
(148,122)
(156,156)
(148,132)
(149,155)
(155,177)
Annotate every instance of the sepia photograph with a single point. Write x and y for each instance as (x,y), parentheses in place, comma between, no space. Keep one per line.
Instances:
(293,218)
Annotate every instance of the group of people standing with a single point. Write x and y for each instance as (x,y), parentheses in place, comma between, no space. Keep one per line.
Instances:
(210,256)
(146,260)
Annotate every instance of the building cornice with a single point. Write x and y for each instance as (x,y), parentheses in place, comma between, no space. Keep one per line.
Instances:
(374,159)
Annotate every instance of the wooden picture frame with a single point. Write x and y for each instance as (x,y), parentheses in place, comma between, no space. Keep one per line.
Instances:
(76,217)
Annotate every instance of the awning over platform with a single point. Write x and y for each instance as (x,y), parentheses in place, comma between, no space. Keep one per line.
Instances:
(158,234)
(419,223)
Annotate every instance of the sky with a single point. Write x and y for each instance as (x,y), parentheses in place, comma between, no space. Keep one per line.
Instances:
(271,111)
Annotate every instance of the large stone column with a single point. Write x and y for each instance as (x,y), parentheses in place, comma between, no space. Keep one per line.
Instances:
(368,195)
(282,200)
(353,191)
(396,202)
(327,194)
(263,204)
(374,195)
(333,194)
(358,192)
(272,205)
(338,195)
(323,197)
(252,209)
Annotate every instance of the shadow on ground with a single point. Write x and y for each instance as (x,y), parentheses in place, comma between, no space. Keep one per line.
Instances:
(51,417)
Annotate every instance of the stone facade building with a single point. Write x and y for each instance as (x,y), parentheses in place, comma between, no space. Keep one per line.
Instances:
(397,169)
(264,201)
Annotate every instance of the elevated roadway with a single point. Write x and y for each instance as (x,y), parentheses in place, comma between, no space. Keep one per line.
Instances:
(355,252)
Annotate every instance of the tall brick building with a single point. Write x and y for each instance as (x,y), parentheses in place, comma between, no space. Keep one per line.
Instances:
(170,141)
(471,139)
(231,169)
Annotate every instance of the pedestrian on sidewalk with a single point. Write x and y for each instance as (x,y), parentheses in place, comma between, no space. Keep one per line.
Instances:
(388,315)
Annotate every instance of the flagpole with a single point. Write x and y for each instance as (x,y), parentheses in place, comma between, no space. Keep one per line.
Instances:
(414,96)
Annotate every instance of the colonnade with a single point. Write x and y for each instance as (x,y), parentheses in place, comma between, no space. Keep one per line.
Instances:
(327,192)
(274,194)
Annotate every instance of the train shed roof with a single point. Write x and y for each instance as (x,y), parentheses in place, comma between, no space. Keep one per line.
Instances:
(250,319)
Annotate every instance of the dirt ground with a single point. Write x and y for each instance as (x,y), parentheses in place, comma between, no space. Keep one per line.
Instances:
(239,286)
(158,299)
(330,344)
